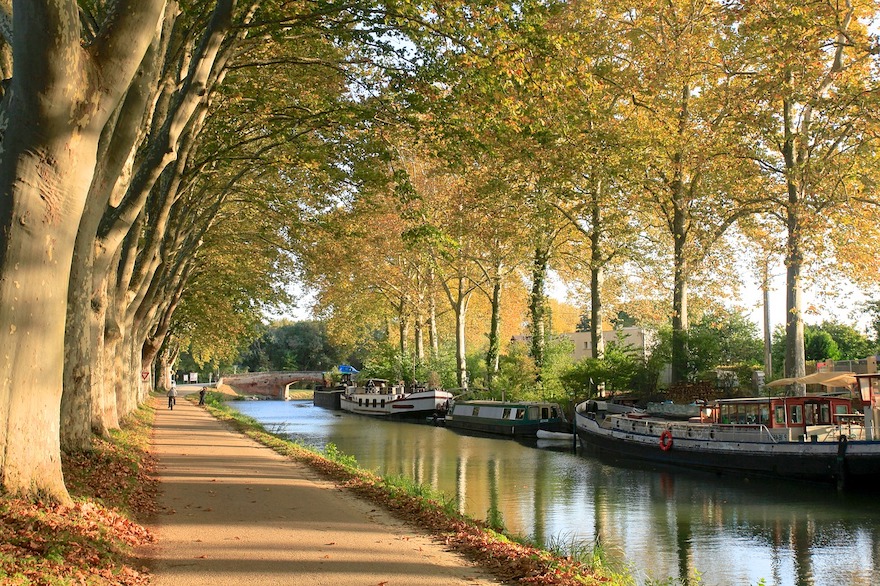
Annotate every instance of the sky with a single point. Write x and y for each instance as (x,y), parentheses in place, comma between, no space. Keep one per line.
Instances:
(839,304)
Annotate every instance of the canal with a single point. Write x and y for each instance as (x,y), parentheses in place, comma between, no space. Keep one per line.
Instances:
(662,523)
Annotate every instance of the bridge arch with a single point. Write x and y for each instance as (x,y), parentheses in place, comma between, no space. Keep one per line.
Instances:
(269,384)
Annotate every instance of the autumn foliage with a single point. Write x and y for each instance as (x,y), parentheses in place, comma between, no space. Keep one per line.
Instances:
(93,540)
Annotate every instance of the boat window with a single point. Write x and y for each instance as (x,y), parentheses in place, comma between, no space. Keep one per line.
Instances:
(554,413)
(825,413)
(810,413)
(360,401)
(374,402)
(545,413)
(476,412)
(383,403)
(797,414)
(840,410)
(779,415)
(520,413)
(505,414)
(745,414)
(534,413)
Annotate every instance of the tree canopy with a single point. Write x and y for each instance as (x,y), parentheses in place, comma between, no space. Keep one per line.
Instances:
(427,169)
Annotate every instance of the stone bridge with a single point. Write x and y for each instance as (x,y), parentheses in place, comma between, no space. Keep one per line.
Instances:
(270,384)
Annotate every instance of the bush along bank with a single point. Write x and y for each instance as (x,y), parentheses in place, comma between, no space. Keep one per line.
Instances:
(92,540)
(509,559)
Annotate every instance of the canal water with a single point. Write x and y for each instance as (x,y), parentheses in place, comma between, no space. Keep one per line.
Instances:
(661,524)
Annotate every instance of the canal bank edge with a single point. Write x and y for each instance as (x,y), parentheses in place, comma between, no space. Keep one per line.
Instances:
(502,555)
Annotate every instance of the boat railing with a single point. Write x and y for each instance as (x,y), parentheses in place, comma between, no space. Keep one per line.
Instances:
(695,431)
(733,432)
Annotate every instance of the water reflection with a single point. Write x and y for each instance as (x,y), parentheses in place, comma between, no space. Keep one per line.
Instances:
(729,530)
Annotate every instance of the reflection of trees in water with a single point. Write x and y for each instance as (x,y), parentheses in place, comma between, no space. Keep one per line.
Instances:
(801,544)
(461,483)
(493,516)
(539,502)
(683,545)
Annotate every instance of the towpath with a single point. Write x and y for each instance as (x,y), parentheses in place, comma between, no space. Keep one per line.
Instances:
(234,512)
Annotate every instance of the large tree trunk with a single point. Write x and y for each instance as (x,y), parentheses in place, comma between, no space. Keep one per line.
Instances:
(111,348)
(79,353)
(681,270)
(43,185)
(82,402)
(109,338)
(680,368)
(59,99)
(795,363)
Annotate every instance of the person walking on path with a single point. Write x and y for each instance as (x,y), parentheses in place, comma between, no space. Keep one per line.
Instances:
(233,512)
(172,397)
(202,394)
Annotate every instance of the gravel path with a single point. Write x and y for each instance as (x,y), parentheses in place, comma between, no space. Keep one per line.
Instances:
(235,512)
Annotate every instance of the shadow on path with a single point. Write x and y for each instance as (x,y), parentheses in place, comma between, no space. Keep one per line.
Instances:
(234,512)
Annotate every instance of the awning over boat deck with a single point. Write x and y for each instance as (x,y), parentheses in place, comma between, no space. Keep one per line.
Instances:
(828,379)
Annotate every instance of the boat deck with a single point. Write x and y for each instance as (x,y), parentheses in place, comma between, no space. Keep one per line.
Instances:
(733,432)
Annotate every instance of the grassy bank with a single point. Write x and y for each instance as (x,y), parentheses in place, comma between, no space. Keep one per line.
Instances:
(510,559)
(91,541)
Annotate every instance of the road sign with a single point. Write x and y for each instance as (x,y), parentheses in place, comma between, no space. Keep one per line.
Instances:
(145,375)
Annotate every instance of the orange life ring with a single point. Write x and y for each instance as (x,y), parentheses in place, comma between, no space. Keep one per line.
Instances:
(666,440)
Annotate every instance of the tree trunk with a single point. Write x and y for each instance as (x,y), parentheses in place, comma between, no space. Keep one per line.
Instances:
(597,313)
(768,356)
(82,401)
(419,338)
(460,339)
(112,375)
(59,99)
(795,363)
(43,185)
(433,338)
(494,351)
(538,306)
(79,353)
(680,369)
(403,329)
(110,337)
(597,277)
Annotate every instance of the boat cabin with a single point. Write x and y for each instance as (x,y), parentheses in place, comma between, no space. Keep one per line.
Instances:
(382,387)
(507,418)
(508,411)
(778,412)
